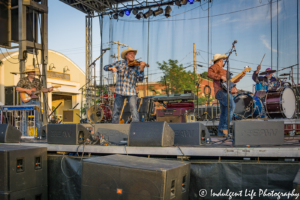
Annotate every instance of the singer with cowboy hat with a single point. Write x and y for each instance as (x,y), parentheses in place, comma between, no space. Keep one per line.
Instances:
(25,85)
(217,73)
(127,77)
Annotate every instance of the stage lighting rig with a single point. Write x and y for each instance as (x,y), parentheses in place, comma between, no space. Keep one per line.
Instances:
(115,16)
(127,12)
(139,15)
(184,2)
(135,11)
(168,11)
(121,13)
(148,14)
(178,3)
(158,12)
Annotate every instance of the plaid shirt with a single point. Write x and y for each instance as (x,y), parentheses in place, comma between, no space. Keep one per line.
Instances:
(127,77)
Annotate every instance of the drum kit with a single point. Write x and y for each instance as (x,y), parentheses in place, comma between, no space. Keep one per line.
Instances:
(278,101)
(102,112)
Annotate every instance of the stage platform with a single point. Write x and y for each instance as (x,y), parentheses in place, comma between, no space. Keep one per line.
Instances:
(290,149)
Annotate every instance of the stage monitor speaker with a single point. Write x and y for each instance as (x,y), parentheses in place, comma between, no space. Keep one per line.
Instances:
(9,134)
(157,134)
(70,116)
(190,134)
(134,178)
(38,193)
(22,167)
(72,134)
(258,133)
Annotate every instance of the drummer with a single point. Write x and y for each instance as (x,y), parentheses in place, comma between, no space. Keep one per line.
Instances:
(262,82)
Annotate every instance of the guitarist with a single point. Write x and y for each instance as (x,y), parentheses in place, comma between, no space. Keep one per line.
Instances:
(217,73)
(126,83)
(25,85)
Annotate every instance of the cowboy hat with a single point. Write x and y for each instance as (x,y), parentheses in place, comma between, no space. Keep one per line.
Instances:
(123,54)
(218,57)
(31,68)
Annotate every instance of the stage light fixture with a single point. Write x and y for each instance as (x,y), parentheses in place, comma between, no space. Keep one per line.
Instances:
(139,15)
(115,16)
(148,14)
(178,3)
(121,13)
(158,12)
(135,11)
(168,11)
(191,1)
(184,2)
(127,12)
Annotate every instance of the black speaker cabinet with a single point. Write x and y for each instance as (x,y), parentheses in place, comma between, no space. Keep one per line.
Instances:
(9,134)
(134,178)
(157,134)
(22,167)
(38,193)
(72,134)
(190,134)
(11,95)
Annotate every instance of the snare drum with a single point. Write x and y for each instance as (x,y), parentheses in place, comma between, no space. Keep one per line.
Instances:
(281,104)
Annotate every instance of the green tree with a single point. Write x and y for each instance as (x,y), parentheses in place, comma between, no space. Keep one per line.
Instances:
(177,78)
(204,76)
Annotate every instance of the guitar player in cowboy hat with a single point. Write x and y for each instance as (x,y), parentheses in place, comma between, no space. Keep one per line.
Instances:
(127,77)
(217,73)
(25,85)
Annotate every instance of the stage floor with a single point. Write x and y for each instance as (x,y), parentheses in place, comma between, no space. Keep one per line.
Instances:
(290,149)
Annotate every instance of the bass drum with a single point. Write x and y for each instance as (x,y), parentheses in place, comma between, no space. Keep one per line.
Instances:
(99,113)
(281,104)
(247,107)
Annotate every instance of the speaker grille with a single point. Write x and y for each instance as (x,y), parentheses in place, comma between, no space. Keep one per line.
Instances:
(68,115)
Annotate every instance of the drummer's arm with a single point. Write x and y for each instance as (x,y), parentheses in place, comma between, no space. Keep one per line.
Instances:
(256,78)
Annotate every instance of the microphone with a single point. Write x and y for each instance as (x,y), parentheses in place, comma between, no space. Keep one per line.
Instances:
(106,49)
(13,73)
(234,42)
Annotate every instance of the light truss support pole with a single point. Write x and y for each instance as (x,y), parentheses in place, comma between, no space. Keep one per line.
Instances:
(88,57)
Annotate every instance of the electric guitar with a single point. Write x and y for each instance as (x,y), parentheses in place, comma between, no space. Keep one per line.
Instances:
(26,97)
(231,81)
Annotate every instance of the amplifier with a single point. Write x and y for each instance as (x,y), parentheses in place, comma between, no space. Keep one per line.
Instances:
(37,193)
(22,167)
(258,133)
(11,95)
(157,134)
(185,105)
(71,134)
(70,117)
(175,115)
(134,178)
(190,134)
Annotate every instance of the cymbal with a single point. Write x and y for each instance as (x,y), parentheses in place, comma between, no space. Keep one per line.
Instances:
(285,74)
(267,72)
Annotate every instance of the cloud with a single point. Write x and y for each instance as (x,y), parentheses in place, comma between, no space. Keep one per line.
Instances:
(266,43)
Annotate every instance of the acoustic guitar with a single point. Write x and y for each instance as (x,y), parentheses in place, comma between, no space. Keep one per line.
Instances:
(26,97)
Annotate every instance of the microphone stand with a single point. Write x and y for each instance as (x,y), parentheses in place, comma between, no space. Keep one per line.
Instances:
(228,77)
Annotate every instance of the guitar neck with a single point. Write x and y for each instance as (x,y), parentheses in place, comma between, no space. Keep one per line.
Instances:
(237,76)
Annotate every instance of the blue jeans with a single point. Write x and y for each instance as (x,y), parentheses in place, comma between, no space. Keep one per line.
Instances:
(118,105)
(222,97)
(24,120)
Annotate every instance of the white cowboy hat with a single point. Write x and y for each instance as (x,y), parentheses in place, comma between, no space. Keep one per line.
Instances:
(218,57)
(123,54)
(31,68)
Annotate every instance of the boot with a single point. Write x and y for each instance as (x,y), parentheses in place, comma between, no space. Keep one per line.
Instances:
(225,133)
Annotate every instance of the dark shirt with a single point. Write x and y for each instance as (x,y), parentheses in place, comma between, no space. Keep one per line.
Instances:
(262,79)
(27,84)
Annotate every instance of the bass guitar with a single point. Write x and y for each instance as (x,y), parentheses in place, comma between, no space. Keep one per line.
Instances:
(27,97)
(231,81)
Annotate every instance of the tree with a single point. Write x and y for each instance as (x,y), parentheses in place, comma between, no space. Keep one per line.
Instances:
(204,76)
(177,78)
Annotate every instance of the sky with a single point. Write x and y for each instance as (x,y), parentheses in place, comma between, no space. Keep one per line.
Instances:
(212,27)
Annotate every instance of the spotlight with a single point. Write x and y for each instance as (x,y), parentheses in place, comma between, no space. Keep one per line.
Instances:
(121,13)
(168,11)
(115,16)
(191,1)
(148,14)
(178,3)
(135,11)
(139,16)
(158,12)
(184,2)
(127,12)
